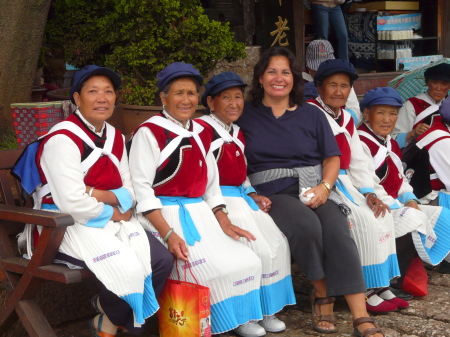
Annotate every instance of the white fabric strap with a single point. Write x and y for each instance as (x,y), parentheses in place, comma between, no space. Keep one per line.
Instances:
(96,153)
(425,113)
(182,133)
(431,137)
(335,127)
(224,134)
(382,152)
(433,176)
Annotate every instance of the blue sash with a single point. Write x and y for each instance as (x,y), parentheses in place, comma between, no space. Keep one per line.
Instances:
(49,206)
(239,191)
(189,230)
(341,187)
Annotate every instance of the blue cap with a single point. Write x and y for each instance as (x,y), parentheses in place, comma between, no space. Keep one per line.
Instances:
(220,82)
(309,91)
(84,74)
(444,110)
(334,66)
(175,70)
(378,96)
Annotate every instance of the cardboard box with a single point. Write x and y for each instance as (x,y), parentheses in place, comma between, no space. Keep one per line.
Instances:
(390,5)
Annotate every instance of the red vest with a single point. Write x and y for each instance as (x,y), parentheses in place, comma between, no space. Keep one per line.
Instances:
(390,178)
(104,174)
(230,159)
(419,106)
(184,172)
(436,183)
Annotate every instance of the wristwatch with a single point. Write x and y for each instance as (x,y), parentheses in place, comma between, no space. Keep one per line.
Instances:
(223,209)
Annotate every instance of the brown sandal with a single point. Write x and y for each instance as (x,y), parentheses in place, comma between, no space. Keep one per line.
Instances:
(368,332)
(317,318)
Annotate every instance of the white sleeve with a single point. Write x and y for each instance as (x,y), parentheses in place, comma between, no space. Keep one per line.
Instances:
(357,171)
(353,104)
(61,164)
(405,121)
(440,160)
(213,195)
(144,158)
(124,170)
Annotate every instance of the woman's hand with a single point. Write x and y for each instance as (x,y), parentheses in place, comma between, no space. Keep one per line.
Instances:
(412,204)
(418,130)
(376,205)
(263,202)
(177,247)
(118,216)
(105,196)
(231,230)
(320,196)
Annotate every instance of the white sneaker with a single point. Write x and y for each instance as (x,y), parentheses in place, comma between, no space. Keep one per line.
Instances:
(272,324)
(250,329)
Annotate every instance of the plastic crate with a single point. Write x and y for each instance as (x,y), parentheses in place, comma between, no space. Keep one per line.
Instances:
(33,120)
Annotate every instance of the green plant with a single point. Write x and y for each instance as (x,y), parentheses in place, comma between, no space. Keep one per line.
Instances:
(7,138)
(138,38)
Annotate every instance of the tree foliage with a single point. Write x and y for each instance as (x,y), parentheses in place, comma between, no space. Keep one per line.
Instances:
(138,38)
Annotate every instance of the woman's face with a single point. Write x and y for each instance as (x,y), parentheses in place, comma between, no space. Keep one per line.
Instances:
(277,80)
(438,89)
(228,104)
(96,100)
(182,99)
(335,90)
(381,118)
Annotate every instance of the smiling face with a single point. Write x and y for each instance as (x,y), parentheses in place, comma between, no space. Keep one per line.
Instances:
(437,89)
(96,100)
(228,104)
(335,90)
(381,118)
(181,100)
(277,80)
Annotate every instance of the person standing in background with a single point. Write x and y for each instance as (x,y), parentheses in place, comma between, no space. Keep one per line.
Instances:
(317,52)
(329,11)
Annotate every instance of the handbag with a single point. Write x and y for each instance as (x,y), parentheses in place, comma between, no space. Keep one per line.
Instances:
(416,278)
(184,308)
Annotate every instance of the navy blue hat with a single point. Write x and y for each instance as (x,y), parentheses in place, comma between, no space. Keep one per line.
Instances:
(438,72)
(220,82)
(334,66)
(175,70)
(378,96)
(84,74)
(309,91)
(444,110)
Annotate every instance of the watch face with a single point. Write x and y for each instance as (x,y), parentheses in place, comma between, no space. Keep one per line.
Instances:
(224,210)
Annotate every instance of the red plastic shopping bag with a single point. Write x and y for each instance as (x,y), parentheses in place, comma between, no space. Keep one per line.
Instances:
(416,278)
(184,309)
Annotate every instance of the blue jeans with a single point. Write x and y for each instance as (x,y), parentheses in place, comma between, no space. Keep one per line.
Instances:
(322,16)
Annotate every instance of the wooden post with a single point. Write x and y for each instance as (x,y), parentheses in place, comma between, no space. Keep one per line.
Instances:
(249,21)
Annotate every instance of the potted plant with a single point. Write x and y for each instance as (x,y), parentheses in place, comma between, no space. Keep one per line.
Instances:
(138,38)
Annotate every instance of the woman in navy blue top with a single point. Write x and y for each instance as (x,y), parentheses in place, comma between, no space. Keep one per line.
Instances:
(292,154)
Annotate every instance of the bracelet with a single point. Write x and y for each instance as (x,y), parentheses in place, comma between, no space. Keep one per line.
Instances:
(169,233)
(328,186)
(326,189)
(371,193)
(90,191)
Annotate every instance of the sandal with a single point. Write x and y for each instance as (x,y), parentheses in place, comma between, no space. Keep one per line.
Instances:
(368,332)
(94,302)
(317,318)
(97,331)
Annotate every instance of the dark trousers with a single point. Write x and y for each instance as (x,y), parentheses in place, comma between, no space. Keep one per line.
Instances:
(119,311)
(406,251)
(319,241)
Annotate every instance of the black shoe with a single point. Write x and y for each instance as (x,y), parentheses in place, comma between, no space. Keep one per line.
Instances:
(400,293)
(444,267)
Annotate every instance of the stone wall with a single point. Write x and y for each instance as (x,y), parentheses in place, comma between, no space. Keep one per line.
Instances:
(243,68)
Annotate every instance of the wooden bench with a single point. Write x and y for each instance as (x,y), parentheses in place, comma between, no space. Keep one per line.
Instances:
(23,278)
